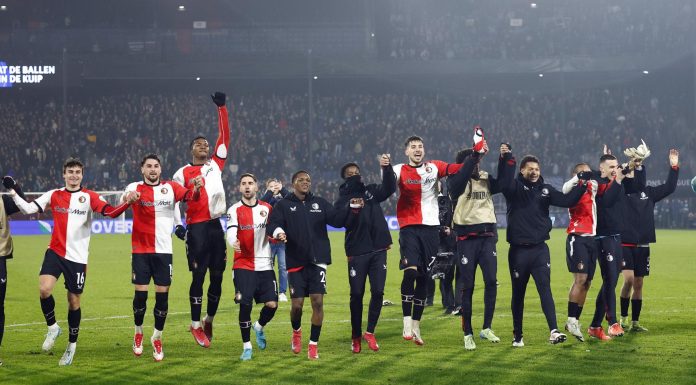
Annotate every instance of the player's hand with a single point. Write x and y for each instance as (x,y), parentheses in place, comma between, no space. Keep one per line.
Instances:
(673,159)
(606,150)
(237,246)
(385,160)
(198,182)
(585,175)
(505,148)
(219,99)
(485,148)
(180,232)
(619,174)
(357,203)
(132,196)
(282,237)
(9,182)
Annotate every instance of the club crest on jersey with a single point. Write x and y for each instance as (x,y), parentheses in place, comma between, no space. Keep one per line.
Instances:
(315,206)
(428,169)
(164,190)
(643,196)
(81,199)
(544,192)
(263,214)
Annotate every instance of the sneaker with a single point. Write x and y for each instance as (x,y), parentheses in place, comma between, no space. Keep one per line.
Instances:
(417,337)
(637,327)
(623,321)
(469,343)
(573,327)
(408,331)
(157,352)
(282,297)
(448,311)
(200,337)
(51,337)
(67,356)
(615,330)
(356,346)
(246,355)
(312,352)
(260,339)
(518,343)
(371,341)
(557,337)
(138,344)
(598,333)
(296,342)
(487,334)
(207,328)
(457,311)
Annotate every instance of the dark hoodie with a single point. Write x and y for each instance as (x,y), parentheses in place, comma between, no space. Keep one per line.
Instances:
(367,231)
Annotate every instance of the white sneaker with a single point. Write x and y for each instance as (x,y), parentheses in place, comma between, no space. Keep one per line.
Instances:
(157,352)
(408,329)
(469,343)
(282,297)
(415,331)
(556,337)
(487,334)
(518,344)
(68,355)
(573,327)
(51,337)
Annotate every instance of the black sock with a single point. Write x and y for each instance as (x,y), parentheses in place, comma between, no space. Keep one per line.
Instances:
(266,315)
(74,317)
(196,295)
(296,321)
(139,306)
(407,291)
(214,292)
(161,309)
(419,297)
(314,333)
(624,306)
(245,321)
(579,312)
(636,305)
(573,309)
(48,307)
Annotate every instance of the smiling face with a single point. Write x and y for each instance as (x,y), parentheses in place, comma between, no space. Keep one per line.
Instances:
(608,168)
(248,187)
(151,171)
(73,177)
(200,149)
(531,172)
(415,151)
(302,183)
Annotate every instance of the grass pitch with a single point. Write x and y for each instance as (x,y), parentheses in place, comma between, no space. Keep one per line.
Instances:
(665,354)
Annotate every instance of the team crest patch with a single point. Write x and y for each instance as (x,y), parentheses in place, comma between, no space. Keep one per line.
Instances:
(164,190)
(610,257)
(315,206)
(545,192)
(81,199)
(352,272)
(263,214)
(238,297)
(428,169)
(581,266)
(516,274)
(465,260)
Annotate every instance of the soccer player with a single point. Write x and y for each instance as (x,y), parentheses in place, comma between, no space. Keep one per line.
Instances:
(367,240)
(609,227)
(153,200)
(7,208)
(528,200)
(205,238)
(475,224)
(636,239)
(254,279)
(275,192)
(417,213)
(300,221)
(72,207)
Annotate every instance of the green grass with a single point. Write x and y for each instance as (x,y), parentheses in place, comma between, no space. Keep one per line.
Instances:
(666,354)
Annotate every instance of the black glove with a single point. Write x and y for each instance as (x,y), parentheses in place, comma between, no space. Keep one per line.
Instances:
(8,182)
(180,232)
(585,175)
(219,99)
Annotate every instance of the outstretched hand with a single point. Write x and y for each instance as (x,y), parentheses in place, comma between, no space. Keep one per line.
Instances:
(673,157)
(219,98)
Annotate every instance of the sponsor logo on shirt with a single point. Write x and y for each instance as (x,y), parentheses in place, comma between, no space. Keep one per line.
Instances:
(156,203)
(421,181)
(68,210)
(252,227)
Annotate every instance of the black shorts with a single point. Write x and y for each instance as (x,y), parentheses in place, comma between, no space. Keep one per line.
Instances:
(205,246)
(74,273)
(311,279)
(418,246)
(638,260)
(581,255)
(156,266)
(260,286)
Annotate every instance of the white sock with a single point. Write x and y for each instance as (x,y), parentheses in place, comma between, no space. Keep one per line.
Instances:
(247,345)
(257,326)
(195,324)
(415,325)
(312,342)
(157,334)
(138,329)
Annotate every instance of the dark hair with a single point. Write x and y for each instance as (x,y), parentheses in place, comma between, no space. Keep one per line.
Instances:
(195,139)
(72,162)
(294,176)
(412,138)
(575,168)
(606,157)
(269,180)
(345,166)
(463,154)
(528,159)
(150,156)
(250,175)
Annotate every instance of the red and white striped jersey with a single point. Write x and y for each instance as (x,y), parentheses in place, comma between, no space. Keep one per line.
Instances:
(583,216)
(247,224)
(72,220)
(211,203)
(153,215)
(417,204)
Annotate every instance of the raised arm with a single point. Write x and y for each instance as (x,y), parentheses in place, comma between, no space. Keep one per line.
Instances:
(11,184)
(559,199)
(388,186)
(456,183)
(506,170)
(223,141)
(660,192)
(37,206)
